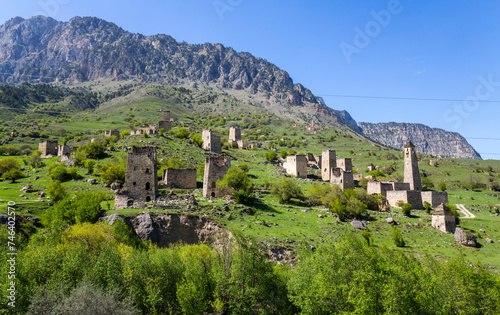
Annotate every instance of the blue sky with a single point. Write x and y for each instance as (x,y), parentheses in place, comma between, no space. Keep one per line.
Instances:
(390,48)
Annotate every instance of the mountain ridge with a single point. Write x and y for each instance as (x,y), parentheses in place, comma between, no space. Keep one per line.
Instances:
(89,49)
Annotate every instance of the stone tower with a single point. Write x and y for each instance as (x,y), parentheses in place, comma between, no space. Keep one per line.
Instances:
(296,165)
(345,164)
(234,134)
(211,141)
(328,162)
(165,123)
(412,175)
(141,183)
(215,169)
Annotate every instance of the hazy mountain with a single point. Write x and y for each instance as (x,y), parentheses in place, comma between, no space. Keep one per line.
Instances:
(427,140)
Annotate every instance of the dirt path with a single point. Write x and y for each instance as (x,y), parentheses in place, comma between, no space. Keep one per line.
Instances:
(467,213)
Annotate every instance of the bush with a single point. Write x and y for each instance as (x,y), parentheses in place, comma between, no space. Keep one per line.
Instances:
(406,209)
(377,173)
(315,195)
(244,167)
(283,154)
(182,133)
(236,182)
(111,172)
(427,207)
(397,237)
(286,190)
(58,171)
(441,186)
(56,191)
(271,155)
(34,160)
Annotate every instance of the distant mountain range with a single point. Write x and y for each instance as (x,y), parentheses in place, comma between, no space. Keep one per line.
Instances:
(41,49)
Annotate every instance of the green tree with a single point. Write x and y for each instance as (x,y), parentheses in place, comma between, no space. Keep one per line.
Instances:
(286,189)
(35,160)
(427,207)
(238,183)
(182,133)
(7,164)
(13,175)
(271,155)
(406,209)
(397,237)
(58,171)
(56,191)
(283,153)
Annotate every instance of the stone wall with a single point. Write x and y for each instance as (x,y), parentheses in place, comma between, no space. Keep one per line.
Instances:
(296,165)
(110,133)
(411,171)
(328,162)
(444,223)
(215,169)
(49,148)
(180,178)
(435,198)
(165,125)
(345,180)
(345,164)
(412,197)
(234,134)
(211,141)
(141,184)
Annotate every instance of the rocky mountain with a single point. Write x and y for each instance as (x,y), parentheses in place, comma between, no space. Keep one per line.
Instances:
(43,50)
(427,140)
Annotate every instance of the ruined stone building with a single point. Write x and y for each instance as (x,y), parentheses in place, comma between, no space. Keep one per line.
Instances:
(141,184)
(234,134)
(216,166)
(211,141)
(180,178)
(343,179)
(165,123)
(411,171)
(444,219)
(314,160)
(111,133)
(411,190)
(49,148)
(145,129)
(64,151)
(296,165)
(371,167)
(345,164)
(328,162)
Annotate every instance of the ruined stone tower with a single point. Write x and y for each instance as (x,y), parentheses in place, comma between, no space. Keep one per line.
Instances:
(412,175)
(296,165)
(234,134)
(49,148)
(211,141)
(345,164)
(165,123)
(215,169)
(141,183)
(328,162)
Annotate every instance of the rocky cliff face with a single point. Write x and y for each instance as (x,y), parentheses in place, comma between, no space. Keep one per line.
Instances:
(426,140)
(89,49)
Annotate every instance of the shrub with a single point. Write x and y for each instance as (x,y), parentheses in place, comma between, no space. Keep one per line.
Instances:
(56,191)
(376,173)
(182,133)
(283,153)
(243,166)
(315,195)
(271,155)
(237,182)
(427,207)
(111,172)
(441,186)
(58,171)
(406,208)
(286,189)
(34,160)
(397,237)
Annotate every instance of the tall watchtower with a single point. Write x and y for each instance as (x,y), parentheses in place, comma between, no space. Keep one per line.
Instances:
(211,141)
(328,162)
(165,123)
(216,168)
(412,175)
(234,134)
(141,181)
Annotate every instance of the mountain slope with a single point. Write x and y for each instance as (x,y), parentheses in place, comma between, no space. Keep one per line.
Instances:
(427,140)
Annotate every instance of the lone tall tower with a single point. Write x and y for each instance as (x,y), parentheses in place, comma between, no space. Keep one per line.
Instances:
(328,162)
(412,175)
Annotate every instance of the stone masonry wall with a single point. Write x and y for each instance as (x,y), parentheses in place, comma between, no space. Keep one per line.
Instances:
(328,162)
(180,178)
(49,148)
(296,165)
(215,169)
(140,177)
(435,198)
(234,134)
(211,141)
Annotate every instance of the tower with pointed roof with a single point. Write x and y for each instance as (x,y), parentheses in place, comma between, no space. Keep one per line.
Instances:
(411,171)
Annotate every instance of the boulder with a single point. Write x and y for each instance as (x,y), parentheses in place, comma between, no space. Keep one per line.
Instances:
(482,231)
(145,228)
(359,224)
(116,186)
(92,181)
(115,216)
(465,237)
(489,240)
(390,220)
